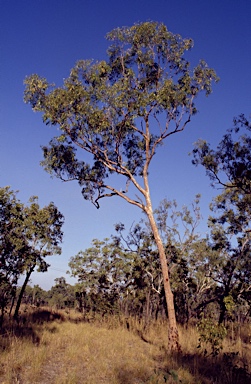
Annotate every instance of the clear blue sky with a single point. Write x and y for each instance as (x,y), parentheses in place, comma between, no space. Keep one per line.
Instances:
(48,36)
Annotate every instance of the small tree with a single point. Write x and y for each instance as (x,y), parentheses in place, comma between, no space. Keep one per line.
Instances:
(42,230)
(28,234)
(103,271)
(145,291)
(35,295)
(229,166)
(119,112)
(61,294)
(12,246)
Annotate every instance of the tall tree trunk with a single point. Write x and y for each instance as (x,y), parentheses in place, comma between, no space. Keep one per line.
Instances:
(222,312)
(148,311)
(12,303)
(173,335)
(19,300)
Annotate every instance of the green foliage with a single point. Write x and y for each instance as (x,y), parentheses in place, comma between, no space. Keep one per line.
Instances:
(229,166)
(119,111)
(13,245)
(42,229)
(62,294)
(100,271)
(124,272)
(34,295)
(28,234)
(129,261)
(189,255)
(229,304)
(120,271)
(212,334)
(105,108)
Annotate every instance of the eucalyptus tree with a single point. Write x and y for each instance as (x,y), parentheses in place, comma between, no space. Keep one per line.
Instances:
(187,253)
(230,270)
(104,273)
(12,245)
(146,281)
(128,263)
(229,167)
(28,234)
(178,228)
(42,231)
(34,295)
(61,294)
(119,111)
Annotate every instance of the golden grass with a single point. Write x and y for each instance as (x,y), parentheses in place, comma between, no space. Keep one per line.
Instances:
(65,350)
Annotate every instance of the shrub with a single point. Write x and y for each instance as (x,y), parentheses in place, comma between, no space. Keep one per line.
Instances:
(212,334)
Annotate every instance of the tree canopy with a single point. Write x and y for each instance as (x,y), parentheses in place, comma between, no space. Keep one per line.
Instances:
(28,235)
(106,108)
(229,168)
(119,111)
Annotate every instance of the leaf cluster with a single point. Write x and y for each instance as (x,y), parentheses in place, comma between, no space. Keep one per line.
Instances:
(105,108)
(229,166)
(28,234)
(212,334)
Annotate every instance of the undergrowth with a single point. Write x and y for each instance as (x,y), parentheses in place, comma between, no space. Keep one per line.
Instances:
(53,347)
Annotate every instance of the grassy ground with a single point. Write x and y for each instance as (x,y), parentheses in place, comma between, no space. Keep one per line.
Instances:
(54,348)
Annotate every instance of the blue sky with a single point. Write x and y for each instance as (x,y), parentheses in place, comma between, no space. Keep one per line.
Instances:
(48,36)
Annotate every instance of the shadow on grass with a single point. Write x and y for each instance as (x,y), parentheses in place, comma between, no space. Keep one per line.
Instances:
(128,376)
(227,368)
(28,326)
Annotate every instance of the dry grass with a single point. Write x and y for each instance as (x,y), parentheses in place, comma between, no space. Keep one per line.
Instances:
(63,349)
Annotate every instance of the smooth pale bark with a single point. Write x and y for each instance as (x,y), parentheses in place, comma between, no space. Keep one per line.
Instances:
(173,335)
(146,76)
